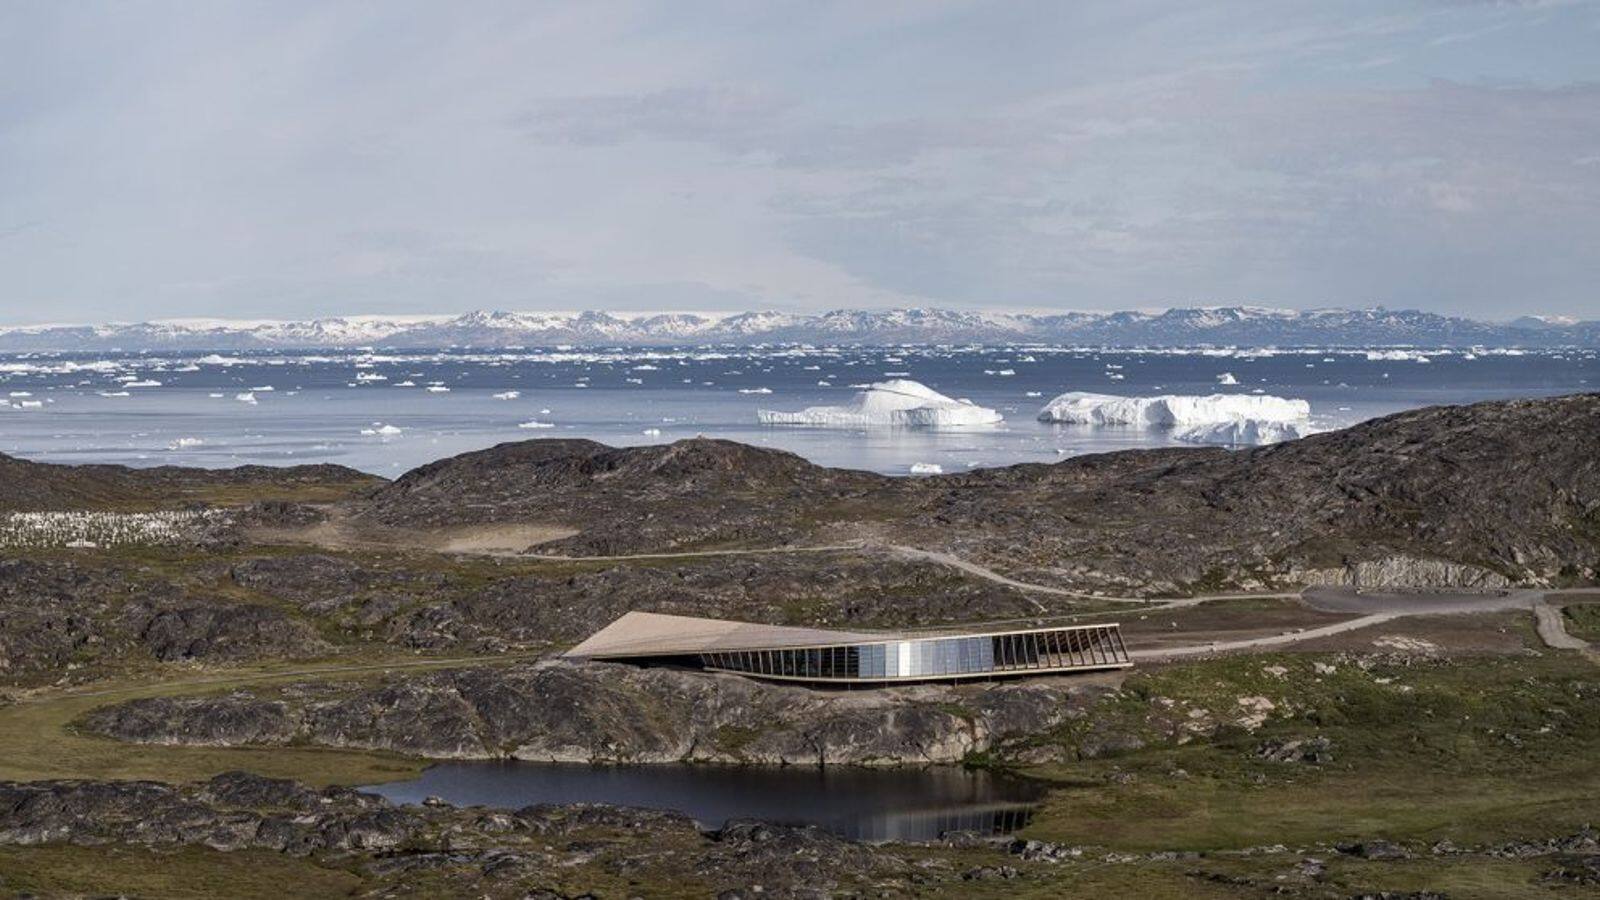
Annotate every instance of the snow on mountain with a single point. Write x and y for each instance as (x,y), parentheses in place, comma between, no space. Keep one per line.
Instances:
(895,403)
(1219,326)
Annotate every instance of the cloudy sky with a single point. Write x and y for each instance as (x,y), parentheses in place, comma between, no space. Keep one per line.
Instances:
(284,159)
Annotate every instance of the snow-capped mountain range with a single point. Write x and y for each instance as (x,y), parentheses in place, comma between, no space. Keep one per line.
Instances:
(1237,326)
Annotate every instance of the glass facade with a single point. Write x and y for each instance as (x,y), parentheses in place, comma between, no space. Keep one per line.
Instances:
(1053,649)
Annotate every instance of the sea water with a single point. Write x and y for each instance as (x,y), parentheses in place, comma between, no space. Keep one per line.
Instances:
(389,411)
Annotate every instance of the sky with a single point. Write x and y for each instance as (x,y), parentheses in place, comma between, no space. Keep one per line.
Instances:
(291,159)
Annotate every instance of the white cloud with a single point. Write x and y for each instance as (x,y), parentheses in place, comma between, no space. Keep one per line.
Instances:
(296,158)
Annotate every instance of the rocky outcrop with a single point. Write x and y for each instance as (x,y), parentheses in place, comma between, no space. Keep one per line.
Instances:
(439,850)
(557,711)
(1402,572)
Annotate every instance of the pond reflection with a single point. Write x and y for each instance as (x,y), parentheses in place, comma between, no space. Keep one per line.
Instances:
(857,803)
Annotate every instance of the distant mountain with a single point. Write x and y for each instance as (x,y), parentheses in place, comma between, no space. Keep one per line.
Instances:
(1180,327)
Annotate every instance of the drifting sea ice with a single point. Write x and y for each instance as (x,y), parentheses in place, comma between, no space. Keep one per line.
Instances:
(1227,378)
(895,403)
(508,395)
(923,468)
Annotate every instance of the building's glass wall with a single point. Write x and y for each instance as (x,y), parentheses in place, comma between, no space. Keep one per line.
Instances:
(936,657)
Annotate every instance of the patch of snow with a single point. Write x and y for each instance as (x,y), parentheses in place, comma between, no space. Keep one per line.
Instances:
(898,403)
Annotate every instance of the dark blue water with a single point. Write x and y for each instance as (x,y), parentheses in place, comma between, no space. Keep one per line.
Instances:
(320,404)
(857,803)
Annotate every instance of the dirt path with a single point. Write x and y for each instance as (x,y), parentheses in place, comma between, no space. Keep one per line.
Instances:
(1552,627)
(1276,640)
(972,568)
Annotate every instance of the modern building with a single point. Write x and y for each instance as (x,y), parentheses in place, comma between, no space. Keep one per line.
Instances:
(852,657)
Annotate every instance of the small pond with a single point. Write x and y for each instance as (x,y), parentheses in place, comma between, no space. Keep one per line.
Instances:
(857,803)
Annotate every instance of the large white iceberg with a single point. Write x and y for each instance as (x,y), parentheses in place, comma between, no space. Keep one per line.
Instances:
(900,402)
(1243,432)
(1234,419)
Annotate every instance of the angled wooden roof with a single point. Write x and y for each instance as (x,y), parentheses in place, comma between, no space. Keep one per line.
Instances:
(656,634)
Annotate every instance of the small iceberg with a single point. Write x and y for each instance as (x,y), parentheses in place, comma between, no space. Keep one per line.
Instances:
(438,389)
(759,390)
(381,430)
(652,432)
(363,377)
(508,395)
(927,469)
(898,403)
(245,397)
(184,443)
(536,425)
(1231,419)
(1227,378)
(144,382)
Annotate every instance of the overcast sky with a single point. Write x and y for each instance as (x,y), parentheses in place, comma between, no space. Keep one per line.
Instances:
(284,159)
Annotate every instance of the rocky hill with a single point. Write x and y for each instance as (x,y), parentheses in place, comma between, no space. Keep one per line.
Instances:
(1478,494)
(30,486)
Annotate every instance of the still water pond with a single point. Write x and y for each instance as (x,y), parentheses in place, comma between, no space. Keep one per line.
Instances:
(861,804)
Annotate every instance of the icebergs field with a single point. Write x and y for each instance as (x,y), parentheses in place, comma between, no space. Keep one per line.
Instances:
(896,403)
(1230,419)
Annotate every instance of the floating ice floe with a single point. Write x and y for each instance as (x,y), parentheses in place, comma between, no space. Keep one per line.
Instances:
(1233,419)
(245,397)
(890,403)
(113,393)
(1227,378)
(407,383)
(927,469)
(508,395)
(438,389)
(652,432)
(263,389)
(381,430)
(760,390)
(536,425)
(370,376)
(184,443)
(143,382)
